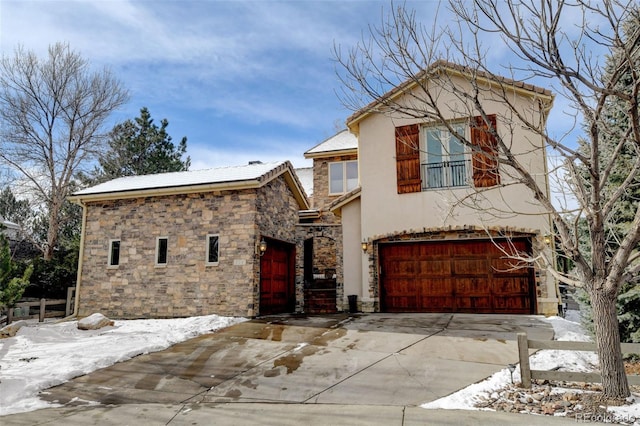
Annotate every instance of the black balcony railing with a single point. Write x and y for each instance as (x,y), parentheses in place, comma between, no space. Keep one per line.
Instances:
(445,175)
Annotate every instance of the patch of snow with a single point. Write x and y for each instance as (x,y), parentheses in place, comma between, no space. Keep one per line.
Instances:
(45,355)
(465,399)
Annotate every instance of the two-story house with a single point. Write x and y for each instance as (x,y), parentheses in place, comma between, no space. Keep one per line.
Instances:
(401,216)
(436,225)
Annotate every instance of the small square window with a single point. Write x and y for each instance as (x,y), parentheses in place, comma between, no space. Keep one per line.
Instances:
(114,252)
(213,249)
(162,247)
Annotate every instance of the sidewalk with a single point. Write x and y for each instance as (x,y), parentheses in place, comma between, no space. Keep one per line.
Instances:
(276,414)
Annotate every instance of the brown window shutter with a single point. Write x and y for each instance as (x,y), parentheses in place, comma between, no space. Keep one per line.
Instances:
(485,153)
(408,159)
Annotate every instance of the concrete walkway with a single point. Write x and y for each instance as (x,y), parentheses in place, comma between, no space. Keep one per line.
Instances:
(339,369)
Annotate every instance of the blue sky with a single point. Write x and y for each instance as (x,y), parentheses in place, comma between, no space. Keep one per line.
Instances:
(242,80)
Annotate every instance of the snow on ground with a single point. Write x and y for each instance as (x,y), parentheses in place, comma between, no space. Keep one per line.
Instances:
(48,354)
(567,329)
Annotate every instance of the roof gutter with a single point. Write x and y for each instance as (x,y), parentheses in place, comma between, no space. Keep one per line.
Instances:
(157,192)
(335,153)
(289,177)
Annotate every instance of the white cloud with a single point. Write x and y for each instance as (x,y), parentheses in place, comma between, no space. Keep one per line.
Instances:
(203,157)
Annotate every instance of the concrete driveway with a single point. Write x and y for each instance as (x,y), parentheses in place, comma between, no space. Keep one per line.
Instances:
(383,360)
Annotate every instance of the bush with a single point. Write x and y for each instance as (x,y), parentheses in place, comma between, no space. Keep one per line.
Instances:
(51,278)
(13,281)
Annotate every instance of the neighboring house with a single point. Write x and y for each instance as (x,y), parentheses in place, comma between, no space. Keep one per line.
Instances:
(334,173)
(410,243)
(191,243)
(9,229)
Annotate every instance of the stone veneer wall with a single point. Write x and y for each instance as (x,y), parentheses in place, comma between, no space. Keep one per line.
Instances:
(454,233)
(321,197)
(327,247)
(186,286)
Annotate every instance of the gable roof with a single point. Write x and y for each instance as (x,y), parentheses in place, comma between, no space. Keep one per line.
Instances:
(336,206)
(253,175)
(342,143)
(442,66)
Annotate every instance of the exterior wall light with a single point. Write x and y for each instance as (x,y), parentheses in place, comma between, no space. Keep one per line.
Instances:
(547,239)
(364,245)
(261,247)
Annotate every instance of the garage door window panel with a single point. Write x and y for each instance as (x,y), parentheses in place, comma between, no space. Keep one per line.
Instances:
(476,267)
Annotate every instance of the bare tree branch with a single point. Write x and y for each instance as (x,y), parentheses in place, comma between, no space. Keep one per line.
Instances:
(53,111)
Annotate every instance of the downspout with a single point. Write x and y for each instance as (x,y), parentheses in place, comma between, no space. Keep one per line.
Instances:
(546,108)
(76,304)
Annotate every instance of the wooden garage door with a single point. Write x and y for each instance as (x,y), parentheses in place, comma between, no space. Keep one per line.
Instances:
(468,276)
(277,278)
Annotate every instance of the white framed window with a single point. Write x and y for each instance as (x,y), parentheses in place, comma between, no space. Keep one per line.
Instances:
(213,249)
(343,177)
(114,253)
(445,160)
(162,251)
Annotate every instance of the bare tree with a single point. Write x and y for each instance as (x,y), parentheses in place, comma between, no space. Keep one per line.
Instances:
(52,112)
(552,42)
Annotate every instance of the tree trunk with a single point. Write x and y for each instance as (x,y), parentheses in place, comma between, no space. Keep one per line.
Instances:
(614,381)
(52,233)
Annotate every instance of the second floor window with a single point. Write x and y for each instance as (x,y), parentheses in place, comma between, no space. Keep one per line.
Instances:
(445,161)
(431,156)
(343,177)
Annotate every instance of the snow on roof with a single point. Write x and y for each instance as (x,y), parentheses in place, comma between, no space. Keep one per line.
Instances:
(305,175)
(345,140)
(9,224)
(252,171)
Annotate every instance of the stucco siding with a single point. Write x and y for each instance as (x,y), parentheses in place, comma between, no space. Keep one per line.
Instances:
(353,253)
(508,205)
(434,212)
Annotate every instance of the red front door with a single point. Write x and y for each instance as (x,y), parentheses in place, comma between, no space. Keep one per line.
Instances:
(277,293)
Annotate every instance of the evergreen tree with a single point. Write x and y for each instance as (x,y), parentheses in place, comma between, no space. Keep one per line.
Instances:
(617,144)
(623,213)
(140,147)
(12,285)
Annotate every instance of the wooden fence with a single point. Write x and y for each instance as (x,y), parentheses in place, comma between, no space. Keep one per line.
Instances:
(527,374)
(23,310)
